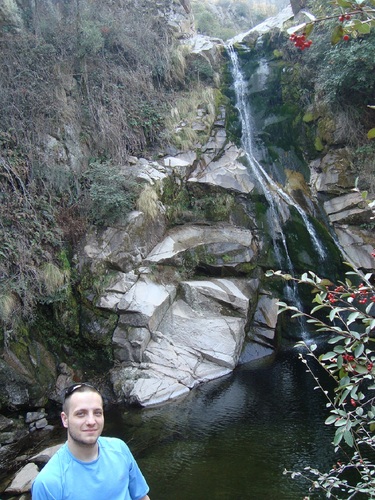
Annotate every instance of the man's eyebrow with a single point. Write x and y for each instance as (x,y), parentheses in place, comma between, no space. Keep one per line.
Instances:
(84,408)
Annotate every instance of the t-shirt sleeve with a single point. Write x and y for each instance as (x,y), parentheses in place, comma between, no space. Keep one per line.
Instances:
(40,490)
(138,486)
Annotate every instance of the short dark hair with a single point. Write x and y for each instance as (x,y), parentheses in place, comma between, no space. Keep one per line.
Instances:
(78,387)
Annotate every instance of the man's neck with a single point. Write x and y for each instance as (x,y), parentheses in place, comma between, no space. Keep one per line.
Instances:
(83,452)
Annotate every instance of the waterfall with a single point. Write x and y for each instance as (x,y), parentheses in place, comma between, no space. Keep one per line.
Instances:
(278,200)
(273,193)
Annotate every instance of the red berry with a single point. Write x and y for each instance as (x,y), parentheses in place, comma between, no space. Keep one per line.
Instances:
(346,38)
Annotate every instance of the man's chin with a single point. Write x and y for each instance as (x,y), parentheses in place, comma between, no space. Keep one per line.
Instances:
(86,439)
(90,439)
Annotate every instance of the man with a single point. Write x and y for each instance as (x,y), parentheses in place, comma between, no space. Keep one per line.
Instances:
(87,466)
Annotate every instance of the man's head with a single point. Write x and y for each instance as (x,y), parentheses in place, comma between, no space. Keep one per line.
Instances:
(82,415)
(76,389)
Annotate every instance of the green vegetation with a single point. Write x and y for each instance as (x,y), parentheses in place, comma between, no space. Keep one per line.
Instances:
(345,314)
(111,193)
(332,86)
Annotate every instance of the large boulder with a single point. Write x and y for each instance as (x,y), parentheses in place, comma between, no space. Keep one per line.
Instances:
(216,245)
(357,245)
(332,173)
(199,338)
(349,208)
(227,171)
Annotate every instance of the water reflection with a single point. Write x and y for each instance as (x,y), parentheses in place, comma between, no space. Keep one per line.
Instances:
(232,438)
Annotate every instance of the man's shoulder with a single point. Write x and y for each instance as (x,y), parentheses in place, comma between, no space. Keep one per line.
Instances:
(49,478)
(56,459)
(113,443)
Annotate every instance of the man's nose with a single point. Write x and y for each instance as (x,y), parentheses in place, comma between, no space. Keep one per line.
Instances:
(90,420)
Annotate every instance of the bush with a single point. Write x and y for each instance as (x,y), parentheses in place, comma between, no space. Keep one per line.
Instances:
(348,72)
(110,194)
(346,314)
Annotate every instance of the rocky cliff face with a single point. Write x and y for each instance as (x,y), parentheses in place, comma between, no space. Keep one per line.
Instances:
(173,294)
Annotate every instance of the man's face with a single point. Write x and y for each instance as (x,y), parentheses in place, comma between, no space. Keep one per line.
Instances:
(84,418)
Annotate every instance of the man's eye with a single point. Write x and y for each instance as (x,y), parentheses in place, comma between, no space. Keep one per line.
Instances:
(98,413)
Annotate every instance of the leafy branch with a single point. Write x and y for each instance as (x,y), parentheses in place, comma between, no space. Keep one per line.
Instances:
(345,312)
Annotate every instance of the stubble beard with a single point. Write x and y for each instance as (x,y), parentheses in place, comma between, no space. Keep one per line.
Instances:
(81,442)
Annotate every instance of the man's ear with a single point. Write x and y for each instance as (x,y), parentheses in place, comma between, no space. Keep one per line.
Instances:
(64,419)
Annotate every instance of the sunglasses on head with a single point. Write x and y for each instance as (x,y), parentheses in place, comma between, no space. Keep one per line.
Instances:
(69,391)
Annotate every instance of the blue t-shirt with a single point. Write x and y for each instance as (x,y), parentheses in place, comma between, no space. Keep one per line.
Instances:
(114,475)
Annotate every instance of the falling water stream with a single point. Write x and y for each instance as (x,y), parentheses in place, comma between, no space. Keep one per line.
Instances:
(276,197)
(278,200)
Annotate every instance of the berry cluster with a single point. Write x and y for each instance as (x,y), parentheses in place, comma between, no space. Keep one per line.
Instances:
(344,17)
(300,41)
(362,294)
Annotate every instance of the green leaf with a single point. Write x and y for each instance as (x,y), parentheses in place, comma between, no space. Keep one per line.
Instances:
(344,395)
(325,282)
(359,350)
(331,419)
(318,299)
(328,355)
(336,339)
(337,34)
(361,369)
(344,381)
(340,422)
(359,411)
(348,437)
(338,436)
(352,317)
(364,28)
(339,349)
(371,133)
(344,3)
(332,314)
(339,362)
(308,29)
(316,308)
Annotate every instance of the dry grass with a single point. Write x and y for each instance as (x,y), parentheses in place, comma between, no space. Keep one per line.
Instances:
(9,307)
(148,202)
(194,107)
(52,277)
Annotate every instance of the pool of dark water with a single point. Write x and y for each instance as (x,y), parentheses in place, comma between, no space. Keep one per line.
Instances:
(232,438)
